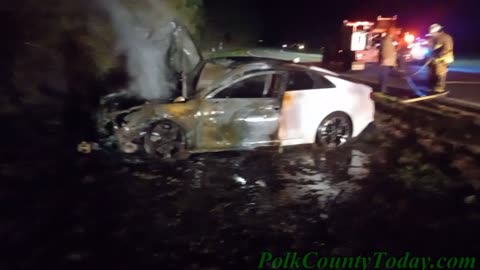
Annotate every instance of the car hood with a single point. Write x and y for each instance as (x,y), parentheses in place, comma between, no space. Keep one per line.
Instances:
(186,58)
(121,101)
(183,58)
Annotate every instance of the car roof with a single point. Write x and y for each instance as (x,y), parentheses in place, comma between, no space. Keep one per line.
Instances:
(244,65)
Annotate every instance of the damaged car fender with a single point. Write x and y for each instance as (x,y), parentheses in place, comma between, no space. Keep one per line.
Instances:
(159,125)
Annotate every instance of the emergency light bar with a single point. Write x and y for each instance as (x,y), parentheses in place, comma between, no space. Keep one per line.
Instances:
(359,23)
(380,18)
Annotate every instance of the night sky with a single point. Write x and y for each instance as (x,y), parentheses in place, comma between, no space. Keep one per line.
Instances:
(316,21)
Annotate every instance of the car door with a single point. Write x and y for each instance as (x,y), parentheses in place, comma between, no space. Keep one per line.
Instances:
(244,114)
(301,105)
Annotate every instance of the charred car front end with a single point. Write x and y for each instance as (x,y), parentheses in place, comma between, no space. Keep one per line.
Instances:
(199,120)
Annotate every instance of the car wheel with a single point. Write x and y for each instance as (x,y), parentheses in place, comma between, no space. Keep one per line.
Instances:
(335,130)
(165,140)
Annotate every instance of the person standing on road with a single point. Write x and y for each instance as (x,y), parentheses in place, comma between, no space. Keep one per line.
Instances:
(388,57)
(442,57)
(402,51)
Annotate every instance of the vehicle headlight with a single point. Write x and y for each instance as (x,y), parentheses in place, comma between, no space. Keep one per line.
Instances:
(419,52)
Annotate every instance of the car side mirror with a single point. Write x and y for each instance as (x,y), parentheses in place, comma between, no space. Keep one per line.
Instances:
(179,100)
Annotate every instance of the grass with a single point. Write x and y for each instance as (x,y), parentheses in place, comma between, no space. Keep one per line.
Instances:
(228,53)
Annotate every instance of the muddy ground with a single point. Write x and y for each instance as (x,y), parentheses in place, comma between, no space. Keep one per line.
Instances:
(63,210)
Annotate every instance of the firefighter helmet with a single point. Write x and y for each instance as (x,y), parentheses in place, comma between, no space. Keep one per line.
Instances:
(435,28)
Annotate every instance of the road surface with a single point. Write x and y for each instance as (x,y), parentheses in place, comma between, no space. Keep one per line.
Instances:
(463,80)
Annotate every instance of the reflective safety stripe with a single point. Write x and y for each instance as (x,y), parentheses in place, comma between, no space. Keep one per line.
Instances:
(447,58)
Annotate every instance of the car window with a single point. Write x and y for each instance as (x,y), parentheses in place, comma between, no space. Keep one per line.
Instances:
(252,87)
(298,80)
(322,82)
(275,85)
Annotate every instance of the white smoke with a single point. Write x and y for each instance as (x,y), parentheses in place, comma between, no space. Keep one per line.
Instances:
(144,35)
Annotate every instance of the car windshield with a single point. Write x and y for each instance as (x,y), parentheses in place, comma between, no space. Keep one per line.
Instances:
(214,74)
(228,77)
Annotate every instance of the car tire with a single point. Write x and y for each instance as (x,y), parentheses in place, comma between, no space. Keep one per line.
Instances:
(334,130)
(166,140)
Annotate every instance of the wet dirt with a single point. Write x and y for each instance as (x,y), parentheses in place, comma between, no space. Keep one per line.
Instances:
(63,210)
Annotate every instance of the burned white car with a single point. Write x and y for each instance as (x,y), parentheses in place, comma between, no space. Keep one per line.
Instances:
(226,104)
(245,105)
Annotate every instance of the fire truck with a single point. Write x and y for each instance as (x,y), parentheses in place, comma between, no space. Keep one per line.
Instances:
(360,43)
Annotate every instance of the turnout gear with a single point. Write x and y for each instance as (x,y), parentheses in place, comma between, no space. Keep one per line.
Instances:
(388,58)
(443,48)
(442,57)
(388,52)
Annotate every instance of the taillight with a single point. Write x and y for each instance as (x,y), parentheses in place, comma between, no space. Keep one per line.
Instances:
(372,95)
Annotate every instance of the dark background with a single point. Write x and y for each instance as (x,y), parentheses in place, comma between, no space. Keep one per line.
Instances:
(315,22)
(50,48)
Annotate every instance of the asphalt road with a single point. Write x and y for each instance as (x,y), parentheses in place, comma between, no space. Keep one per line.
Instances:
(463,79)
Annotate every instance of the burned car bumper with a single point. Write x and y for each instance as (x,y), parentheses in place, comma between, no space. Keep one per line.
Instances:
(111,122)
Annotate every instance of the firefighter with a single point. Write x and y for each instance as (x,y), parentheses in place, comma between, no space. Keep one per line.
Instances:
(402,51)
(442,57)
(388,57)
